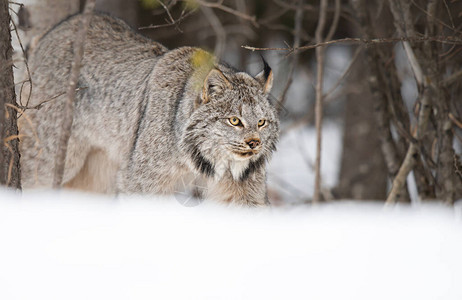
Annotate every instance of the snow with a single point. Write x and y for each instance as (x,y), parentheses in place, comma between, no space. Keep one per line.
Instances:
(79,246)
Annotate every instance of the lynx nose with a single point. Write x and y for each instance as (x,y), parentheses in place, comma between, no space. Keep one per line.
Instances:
(254,143)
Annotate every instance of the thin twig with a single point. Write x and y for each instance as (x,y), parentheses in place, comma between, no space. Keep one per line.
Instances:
(452,79)
(28,120)
(455,121)
(167,11)
(432,16)
(38,106)
(16,3)
(344,74)
(415,65)
(171,22)
(219,5)
(333,27)
(68,112)
(453,26)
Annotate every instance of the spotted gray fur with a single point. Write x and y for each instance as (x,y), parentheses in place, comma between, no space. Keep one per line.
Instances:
(141,122)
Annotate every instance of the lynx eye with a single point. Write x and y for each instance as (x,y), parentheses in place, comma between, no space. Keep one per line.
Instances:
(234,121)
(261,122)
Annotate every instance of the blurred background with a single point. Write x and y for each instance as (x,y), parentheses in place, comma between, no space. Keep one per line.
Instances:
(382,61)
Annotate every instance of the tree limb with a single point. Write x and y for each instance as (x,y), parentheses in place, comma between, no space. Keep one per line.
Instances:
(439,39)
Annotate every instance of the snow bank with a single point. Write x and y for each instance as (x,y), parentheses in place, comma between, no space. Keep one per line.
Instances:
(73,246)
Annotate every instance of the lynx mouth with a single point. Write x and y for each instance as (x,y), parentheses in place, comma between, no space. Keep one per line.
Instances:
(245,154)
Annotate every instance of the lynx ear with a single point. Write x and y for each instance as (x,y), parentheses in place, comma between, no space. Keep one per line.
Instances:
(265,77)
(214,83)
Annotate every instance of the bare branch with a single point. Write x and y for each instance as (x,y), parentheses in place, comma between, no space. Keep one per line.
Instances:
(40,104)
(455,120)
(344,74)
(414,63)
(336,18)
(219,5)
(16,3)
(440,39)
(432,16)
(171,21)
(453,27)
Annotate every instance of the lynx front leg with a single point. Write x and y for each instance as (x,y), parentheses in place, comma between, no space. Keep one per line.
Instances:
(97,174)
(250,191)
(146,175)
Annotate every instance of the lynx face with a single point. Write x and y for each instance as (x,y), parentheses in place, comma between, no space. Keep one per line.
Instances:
(248,128)
(234,126)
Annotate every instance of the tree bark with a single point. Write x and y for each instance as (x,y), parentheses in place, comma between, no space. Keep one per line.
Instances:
(362,170)
(368,147)
(9,152)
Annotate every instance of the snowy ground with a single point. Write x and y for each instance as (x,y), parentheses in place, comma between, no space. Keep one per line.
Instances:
(73,246)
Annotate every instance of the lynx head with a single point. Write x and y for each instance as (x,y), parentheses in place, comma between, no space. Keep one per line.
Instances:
(234,127)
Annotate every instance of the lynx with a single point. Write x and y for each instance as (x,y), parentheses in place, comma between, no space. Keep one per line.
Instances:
(145,117)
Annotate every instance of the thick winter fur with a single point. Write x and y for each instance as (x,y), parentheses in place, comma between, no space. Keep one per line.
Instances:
(146,116)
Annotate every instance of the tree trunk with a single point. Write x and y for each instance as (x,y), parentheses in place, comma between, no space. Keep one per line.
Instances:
(362,172)
(9,152)
(368,147)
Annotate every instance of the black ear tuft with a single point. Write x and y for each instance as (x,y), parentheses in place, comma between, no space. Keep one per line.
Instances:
(266,67)
(265,77)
